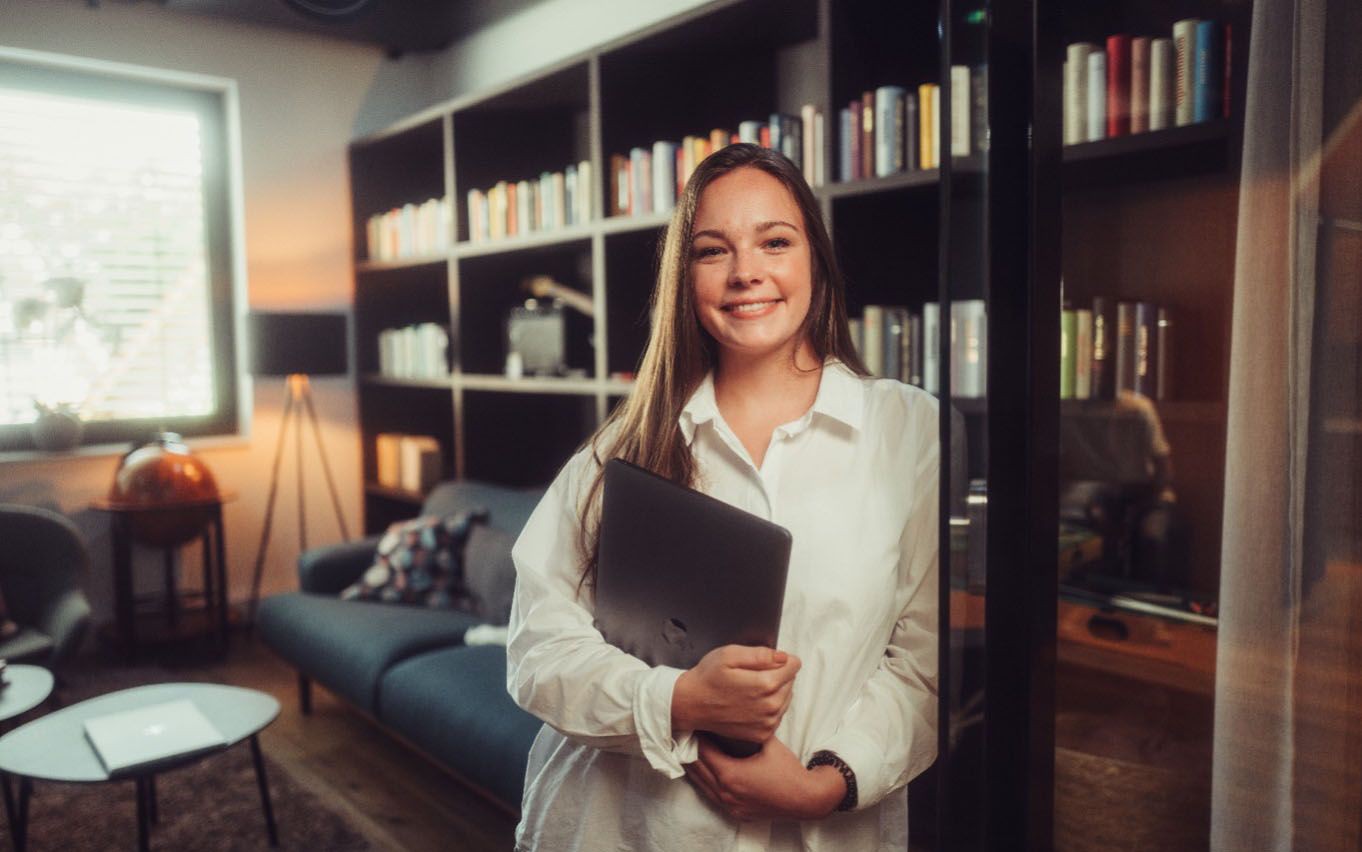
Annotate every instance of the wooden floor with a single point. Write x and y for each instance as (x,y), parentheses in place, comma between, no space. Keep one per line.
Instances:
(396,797)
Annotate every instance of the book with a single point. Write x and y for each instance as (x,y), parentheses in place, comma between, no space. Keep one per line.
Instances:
(640,181)
(1184,58)
(1103,380)
(856,158)
(960,111)
(914,343)
(619,185)
(979,103)
(820,150)
(1162,76)
(927,124)
(1206,101)
(872,327)
(559,185)
(570,196)
(419,463)
(388,458)
(1097,95)
(844,152)
(1146,352)
(1125,346)
(888,130)
(911,133)
(1163,342)
(750,132)
(895,328)
(969,349)
(1139,84)
(1082,353)
(806,118)
(867,134)
(664,176)
(1076,92)
(931,347)
(1118,85)
(1068,367)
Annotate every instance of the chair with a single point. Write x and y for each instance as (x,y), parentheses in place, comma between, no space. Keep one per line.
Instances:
(42,563)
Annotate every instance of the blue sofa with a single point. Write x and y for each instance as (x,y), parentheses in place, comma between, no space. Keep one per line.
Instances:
(407,667)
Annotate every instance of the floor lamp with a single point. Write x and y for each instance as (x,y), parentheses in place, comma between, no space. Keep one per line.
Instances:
(296,346)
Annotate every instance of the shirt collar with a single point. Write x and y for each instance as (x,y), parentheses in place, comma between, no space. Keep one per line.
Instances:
(841,396)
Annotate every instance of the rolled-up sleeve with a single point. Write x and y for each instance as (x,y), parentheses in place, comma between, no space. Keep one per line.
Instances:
(559,667)
(888,734)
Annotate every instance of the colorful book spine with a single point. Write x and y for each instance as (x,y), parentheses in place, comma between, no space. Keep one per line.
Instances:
(960,111)
(931,347)
(1076,93)
(872,326)
(1097,96)
(807,147)
(888,130)
(820,149)
(1163,342)
(927,125)
(1139,84)
(1103,381)
(664,176)
(1162,80)
(1068,367)
(1184,55)
(911,133)
(1125,346)
(867,134)
(1083,354)
(1118,85)
(750,132)
(1207,73)
(845,172)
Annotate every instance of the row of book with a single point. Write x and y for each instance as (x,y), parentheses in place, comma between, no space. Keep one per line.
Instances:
(897,343)
(1138,84)
(893,129)
(649,180)
(408,462)
(513,208)
(418,351)
(1109,348)
(412,230)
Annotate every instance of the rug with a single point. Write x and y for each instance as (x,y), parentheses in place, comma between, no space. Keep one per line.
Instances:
(211,805)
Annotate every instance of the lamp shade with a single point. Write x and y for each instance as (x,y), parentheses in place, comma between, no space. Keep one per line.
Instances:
(286,343)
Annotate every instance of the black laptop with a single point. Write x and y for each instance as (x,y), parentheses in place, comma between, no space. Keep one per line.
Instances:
(681,573)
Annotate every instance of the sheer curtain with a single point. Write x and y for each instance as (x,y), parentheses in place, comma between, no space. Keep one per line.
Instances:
(1286,753)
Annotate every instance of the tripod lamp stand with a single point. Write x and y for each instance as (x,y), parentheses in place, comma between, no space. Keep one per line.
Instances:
(296,346)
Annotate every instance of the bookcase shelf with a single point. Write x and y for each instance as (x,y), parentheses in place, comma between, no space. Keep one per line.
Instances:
(528,242)
(380,380)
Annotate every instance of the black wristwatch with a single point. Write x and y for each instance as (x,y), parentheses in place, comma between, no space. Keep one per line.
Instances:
(828,758)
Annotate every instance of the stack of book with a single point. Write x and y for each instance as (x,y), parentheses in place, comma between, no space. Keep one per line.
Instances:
(1138,84)
(894,129)
(417,351)
(408,462)
(1107,349)
(512,208)
(896,343)
(649,180)
(412,230)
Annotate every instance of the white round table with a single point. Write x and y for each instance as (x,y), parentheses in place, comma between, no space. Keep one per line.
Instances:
(25,688)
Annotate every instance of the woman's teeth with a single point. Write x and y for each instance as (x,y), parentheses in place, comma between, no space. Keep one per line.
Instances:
(748,308)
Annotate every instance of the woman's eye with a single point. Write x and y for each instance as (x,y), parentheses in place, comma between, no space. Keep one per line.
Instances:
(778,242)
(708,251)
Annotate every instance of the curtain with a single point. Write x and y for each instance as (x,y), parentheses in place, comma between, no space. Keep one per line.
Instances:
(1286,744)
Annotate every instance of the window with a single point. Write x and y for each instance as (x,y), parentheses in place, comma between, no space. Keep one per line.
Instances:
(116,284)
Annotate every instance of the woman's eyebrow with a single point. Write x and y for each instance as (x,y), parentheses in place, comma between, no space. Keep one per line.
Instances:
(774,223)
(761,227)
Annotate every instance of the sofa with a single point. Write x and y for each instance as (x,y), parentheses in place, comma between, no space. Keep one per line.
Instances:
(407,667)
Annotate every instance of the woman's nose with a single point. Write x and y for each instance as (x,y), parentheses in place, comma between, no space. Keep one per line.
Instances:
(747,268)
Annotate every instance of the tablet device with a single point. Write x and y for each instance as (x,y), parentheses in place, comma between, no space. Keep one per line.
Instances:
(681,573)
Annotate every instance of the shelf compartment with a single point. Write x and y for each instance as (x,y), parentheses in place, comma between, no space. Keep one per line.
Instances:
(887,249)
(630,275)
(523,439)
(396,298)
(489,286)
(1193,149)
(380,380)
(404,167)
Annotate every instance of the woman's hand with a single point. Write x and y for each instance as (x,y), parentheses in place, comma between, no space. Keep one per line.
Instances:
(771,784)
(735,691)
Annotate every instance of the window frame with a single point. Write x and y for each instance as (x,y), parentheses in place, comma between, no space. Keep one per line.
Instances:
(216,102)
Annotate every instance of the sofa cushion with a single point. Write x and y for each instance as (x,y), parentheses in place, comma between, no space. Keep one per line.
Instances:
(508,509)
(29,646)
(347,645)
(490,573)
(420,561)
(453,705)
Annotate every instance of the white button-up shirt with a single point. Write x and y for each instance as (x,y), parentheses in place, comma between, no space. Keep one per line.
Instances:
(855,482)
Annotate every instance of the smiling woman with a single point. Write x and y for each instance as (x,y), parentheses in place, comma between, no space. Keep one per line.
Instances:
(750,391)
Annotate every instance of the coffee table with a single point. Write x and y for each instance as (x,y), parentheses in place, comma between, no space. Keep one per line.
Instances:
(54,748)
(26,687)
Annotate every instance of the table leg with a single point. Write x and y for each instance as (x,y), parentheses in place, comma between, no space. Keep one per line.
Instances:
(143,820)
(221,548)
(210,610)
(153,810)
(264,790)
(11,816)
(123,603)
(21,825)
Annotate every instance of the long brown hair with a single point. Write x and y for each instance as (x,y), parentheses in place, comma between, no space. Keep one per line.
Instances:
(680,353)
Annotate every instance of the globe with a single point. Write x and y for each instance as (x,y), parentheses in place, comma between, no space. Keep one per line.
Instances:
(171,491)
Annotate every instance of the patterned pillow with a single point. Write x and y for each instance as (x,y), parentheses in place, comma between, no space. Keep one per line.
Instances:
(421,562)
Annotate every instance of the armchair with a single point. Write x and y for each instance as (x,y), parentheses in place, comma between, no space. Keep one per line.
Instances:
(42,564)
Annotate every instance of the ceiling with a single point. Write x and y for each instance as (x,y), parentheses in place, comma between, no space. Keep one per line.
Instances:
(400,26)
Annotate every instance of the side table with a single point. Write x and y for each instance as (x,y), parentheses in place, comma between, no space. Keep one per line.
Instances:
(25,688)
(147,525)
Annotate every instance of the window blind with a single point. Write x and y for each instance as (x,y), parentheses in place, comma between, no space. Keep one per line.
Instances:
(106,295)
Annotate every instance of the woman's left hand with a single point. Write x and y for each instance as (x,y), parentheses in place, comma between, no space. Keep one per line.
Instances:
(771,784)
